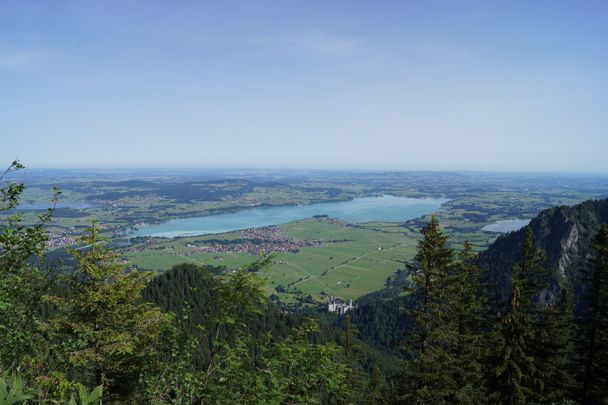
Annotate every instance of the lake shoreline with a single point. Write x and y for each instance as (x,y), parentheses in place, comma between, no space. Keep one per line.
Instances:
(354,210)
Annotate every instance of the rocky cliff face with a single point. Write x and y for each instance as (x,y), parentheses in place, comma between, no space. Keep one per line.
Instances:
(564,235)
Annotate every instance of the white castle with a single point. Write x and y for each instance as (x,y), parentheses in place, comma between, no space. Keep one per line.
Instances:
(337,305)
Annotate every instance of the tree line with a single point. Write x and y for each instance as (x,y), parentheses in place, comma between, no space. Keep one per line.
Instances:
(104,332)
(464,348)
(87,334)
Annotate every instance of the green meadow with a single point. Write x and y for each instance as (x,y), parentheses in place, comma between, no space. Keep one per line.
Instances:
(351,260)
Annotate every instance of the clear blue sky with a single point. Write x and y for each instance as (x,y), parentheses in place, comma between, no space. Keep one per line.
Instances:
(488,85)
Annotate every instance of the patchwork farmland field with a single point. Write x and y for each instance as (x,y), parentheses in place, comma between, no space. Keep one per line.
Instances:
(348,262)
(319,256)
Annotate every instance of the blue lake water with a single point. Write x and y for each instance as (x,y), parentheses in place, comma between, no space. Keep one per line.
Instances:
(507,225)
(369,209)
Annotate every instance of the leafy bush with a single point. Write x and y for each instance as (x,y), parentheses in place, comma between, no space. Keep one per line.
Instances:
(13,391)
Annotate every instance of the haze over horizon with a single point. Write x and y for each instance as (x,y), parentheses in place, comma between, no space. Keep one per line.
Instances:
(437,85)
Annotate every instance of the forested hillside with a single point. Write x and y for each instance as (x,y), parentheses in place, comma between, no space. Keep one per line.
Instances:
(191,293)
(564,236)
(211,339)
(438,333)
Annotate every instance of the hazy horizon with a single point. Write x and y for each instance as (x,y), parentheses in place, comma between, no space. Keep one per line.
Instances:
(329,168)
(433,86)
(297,169)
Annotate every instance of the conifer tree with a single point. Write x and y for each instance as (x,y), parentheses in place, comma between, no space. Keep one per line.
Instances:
(554,352)
(515,367)
(348,339)
(103,334)
(468,309)
(352,352)
(246,369)
(593,327)
(374,391)
(512,380)
(424,378)
(532,273)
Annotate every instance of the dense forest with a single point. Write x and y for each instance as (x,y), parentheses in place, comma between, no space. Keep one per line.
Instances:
(524,322)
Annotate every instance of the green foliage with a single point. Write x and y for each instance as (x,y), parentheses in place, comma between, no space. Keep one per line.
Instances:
(514,380)
(430,279)
(21,283)
(173,379)
(564,235)
(375,394)
(592,342)
(292,370)
(213,314)
(55,385)
(554,352)
(84,398)
(309,373)
(221,341)
(470,312)
(511,382)
(244,367)
(426,377)
(379,320)
(102,333)
(13,391)
(353,355)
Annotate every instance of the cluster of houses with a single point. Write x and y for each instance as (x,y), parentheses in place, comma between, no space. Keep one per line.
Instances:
(254,241)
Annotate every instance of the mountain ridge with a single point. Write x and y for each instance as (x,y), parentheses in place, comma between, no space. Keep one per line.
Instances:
(564,236)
